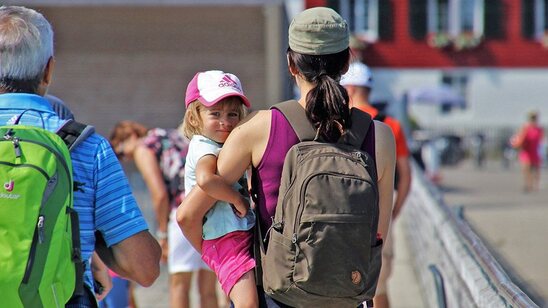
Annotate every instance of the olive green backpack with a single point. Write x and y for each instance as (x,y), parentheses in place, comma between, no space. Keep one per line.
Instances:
(323,249)
(40,261)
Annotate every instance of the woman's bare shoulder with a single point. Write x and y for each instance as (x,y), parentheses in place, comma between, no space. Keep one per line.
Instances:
(254,122)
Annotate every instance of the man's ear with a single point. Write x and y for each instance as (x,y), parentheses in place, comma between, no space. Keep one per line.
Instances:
(48,72)
(46,77)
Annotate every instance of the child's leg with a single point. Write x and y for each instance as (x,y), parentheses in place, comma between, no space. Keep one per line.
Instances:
(190,215)
(244,292)
(231,258)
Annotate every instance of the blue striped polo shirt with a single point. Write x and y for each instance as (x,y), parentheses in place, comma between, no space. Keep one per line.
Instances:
(104,203)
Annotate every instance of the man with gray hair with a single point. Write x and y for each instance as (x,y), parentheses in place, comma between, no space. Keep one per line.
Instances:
(110,220)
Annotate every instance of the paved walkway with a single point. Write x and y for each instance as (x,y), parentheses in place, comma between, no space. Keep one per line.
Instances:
(511,223)
(403,285)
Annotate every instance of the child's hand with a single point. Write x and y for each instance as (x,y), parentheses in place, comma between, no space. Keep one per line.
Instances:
(241,207)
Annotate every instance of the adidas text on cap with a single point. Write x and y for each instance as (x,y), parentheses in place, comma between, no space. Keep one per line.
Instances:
(210,87)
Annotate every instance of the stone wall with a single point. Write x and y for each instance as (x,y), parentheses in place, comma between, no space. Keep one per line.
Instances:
(117,62)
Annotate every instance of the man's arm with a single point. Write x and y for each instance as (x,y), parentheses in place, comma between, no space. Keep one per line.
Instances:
(136,258)
(404,184)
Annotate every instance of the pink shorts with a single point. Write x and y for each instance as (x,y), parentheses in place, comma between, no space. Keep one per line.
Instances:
(229,257)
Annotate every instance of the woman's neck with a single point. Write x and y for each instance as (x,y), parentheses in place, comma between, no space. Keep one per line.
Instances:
(304,87)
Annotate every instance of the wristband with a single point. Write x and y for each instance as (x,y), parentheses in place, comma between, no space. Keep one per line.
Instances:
(161,235)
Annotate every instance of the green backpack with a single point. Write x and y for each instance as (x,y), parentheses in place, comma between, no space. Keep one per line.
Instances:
(40,260)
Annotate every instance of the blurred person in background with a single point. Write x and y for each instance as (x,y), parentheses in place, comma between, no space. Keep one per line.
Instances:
(160,156)
(358,82)
(528,141)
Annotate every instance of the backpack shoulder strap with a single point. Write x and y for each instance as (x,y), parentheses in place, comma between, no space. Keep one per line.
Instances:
(296,115)
(361,121)
(73,133)
(380,117)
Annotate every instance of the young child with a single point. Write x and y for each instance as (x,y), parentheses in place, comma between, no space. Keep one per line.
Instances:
(215,104)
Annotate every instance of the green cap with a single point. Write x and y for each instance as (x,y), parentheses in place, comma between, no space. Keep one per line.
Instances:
(318,31)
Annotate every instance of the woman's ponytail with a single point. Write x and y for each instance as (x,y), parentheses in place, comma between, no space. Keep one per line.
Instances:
(327,103)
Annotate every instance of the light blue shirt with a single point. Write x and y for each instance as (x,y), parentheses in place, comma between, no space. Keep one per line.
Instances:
(104,202)
(220,219)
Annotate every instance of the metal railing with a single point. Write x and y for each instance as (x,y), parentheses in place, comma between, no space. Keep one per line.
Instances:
(453,265)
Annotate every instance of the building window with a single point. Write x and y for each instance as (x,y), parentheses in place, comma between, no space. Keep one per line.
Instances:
(535,19)
(362,17)
(455,17)
(448,19)
(455,23)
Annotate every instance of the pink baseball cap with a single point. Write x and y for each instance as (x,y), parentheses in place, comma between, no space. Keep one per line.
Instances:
(210,87)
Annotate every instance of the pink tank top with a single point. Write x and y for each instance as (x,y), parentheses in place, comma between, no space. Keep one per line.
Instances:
(267,175)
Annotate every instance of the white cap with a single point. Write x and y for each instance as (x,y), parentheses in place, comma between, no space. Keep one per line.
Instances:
(358,75)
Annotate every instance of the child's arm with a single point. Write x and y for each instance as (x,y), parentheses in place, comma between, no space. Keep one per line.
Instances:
(215,186)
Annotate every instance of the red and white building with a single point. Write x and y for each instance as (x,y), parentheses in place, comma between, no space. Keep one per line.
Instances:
(493,52)
(132,59)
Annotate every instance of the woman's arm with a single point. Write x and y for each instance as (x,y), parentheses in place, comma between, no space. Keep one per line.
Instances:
(215,186)
(245,146)
(148,166)
(385,154)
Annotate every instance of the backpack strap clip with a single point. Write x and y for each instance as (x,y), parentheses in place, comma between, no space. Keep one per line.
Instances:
(73,133)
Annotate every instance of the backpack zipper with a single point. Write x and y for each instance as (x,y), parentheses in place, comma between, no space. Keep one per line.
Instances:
(42,171)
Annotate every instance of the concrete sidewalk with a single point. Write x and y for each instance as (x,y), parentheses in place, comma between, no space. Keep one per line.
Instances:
(511,223)
(403,286)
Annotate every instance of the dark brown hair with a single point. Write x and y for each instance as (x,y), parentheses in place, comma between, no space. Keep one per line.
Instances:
(327,102)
